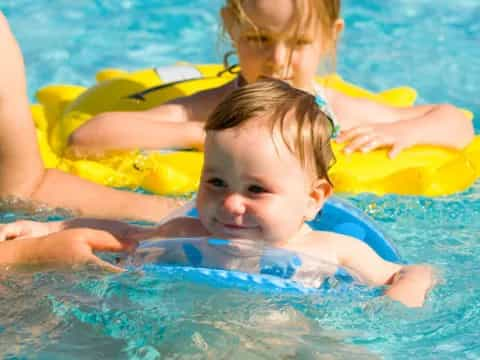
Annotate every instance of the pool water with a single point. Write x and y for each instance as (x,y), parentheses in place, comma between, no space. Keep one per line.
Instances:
(432,46)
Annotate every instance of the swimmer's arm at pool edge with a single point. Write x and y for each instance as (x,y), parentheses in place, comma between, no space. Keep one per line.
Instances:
(177,227)
(65,249)
(180,227)
(56,188)
(20,157)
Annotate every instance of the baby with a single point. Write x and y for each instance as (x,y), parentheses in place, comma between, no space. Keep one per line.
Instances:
(267,154)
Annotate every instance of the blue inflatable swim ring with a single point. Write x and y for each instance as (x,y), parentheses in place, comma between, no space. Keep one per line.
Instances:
(276,266)
(339,216)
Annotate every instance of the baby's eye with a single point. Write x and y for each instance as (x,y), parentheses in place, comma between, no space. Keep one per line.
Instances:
(217,182)
(256,189)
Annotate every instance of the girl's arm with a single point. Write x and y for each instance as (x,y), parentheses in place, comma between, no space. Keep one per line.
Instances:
(369,125)
(177,124)
(166,127)
(407,284)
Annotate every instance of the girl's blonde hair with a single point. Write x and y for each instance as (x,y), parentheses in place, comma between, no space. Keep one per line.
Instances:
(304,128)
(322,14)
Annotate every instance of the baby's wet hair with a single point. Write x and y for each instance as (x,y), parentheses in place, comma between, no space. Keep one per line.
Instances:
(304,128)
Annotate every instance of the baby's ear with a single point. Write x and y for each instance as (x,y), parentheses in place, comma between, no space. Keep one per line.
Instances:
(319,193)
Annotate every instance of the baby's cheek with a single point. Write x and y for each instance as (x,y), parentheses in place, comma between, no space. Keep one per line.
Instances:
(275,216)
(204,197)
(291,217)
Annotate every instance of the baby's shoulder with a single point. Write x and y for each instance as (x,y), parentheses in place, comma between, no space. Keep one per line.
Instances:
(333,240)
(329,244)
(321,245)
(329,238)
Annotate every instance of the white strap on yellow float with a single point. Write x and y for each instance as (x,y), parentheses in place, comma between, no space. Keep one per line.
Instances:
(173,73)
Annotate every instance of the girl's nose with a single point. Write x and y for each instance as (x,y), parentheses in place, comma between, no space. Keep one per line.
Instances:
(279,56)
(234,204)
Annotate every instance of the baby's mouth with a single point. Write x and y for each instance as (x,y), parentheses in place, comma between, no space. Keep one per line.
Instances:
(232,226)
(236,227)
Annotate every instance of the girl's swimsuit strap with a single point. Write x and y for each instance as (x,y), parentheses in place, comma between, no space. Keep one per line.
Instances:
(321,99)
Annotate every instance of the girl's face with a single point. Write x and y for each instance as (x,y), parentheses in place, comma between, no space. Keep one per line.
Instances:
(253,188)
(272,47)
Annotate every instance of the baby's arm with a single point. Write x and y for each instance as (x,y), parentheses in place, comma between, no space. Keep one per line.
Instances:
(369,125)
(177,124)
(407,284)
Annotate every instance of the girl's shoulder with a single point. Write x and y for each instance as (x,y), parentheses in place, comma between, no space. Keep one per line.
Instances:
(202,103)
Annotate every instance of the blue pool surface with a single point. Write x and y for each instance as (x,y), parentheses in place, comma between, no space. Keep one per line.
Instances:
(430,45)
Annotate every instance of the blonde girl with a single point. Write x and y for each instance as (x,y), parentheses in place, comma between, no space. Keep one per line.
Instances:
(289,40)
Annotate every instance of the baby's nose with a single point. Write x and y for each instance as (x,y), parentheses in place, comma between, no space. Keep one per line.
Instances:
(234,204)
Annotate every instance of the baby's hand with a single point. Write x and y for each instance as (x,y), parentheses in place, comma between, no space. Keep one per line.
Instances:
(68,248)
(366,138)
(24,228)
(411,285)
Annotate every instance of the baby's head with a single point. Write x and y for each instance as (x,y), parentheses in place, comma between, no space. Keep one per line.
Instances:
(285,39)
(291,116)
(267,154)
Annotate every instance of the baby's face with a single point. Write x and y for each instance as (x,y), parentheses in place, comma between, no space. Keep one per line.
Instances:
(252,188)
(272,48)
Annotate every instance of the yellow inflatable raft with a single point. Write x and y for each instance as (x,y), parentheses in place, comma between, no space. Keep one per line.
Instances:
(63,108)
